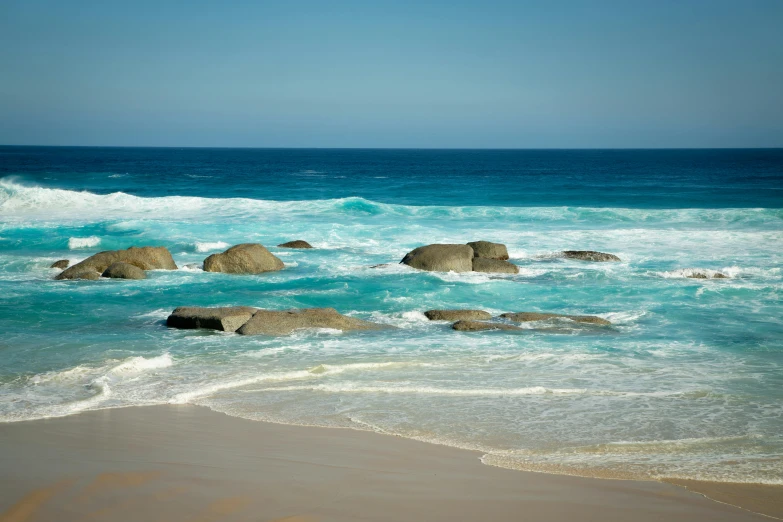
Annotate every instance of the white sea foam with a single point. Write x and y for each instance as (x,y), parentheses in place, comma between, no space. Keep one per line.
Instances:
(141,364)
(75,243)
(211,389)
(23,203)
(683,273)
(210,246)
(349,387)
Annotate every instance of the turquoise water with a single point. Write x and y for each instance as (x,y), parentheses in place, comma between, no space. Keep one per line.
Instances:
(687,383)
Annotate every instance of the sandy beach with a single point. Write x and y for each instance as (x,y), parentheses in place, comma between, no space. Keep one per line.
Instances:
(177,463)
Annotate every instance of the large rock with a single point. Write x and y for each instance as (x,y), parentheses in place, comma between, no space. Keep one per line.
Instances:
(524,317)
(457,315)
(478,326)
(61,264)
(481,264)
(441,258)
(145,258)
(225,319)
(247,258)
(271,322)
(122,270)
(489,250)
(298,243)
(589,255)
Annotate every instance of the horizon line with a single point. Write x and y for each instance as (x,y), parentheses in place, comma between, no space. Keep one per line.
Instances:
(382,148)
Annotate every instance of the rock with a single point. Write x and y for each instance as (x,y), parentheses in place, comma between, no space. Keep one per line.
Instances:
(296,244)
(589,255)
(478,326)
(489,250)
(706,275)
(456,315)
(481,264)
(271,322)
(83,273)
(145,258)
(224,319)
(523,317)
(441,258)
(120,270)
(247,258)
(61,264)
(382,265)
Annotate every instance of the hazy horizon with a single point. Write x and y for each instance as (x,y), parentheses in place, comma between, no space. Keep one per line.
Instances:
(402,75)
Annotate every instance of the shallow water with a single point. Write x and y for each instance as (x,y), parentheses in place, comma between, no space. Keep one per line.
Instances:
(688,382)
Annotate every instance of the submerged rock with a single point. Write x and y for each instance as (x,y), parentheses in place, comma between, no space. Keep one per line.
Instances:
(120,270)
(145,258)
(489,250)
(61,264)
(224,319)
(523,317)
(497,266)
(589,255)
(271,322)
(441,258)
(246,258)
(298,243)
(479,326)
(706,275)
(456,315)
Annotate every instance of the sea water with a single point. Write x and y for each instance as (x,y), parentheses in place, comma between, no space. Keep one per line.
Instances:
(687,382)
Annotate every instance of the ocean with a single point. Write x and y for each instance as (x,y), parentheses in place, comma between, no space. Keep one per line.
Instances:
(688,382)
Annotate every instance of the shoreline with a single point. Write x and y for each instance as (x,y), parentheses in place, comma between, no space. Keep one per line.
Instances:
(173,462)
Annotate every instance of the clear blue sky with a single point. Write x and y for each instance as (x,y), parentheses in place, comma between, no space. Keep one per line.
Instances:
(517,74)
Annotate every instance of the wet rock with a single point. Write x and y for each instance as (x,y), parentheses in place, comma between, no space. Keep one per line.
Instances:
(298,243)
(479,326)
(589,255)
(489,250)
(247,258)
(496,266)
(83,273)
(272,322)
(122,270)
(61,264)
(224,319)
(145,258)
(706,275)
(457,315)
(441,258)
(523,317)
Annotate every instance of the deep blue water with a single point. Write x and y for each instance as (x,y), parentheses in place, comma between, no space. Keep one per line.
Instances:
(687,382)
(588,178)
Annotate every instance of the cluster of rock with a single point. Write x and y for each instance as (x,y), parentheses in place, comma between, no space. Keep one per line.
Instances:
(246,258)
(123,264)
(477,256)
(478,320)
(700,274)
(245,320)
(480,256)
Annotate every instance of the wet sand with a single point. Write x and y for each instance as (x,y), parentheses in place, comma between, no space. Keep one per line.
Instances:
(186,463)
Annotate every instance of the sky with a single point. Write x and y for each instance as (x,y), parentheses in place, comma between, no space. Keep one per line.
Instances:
(425,74)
